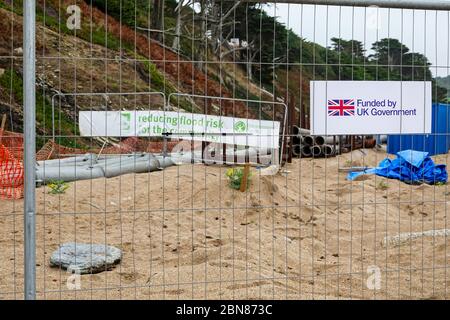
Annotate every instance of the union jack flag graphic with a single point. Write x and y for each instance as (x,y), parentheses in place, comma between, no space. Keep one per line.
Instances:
(341,107)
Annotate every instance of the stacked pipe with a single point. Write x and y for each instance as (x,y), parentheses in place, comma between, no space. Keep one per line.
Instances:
(305,145)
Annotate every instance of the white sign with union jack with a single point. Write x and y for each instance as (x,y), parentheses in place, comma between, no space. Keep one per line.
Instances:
(370,107)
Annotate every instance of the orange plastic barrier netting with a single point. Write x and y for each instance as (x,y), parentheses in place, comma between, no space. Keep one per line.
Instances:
(13,142)
(11,175)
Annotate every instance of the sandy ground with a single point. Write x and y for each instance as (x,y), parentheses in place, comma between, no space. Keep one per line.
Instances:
(304,234)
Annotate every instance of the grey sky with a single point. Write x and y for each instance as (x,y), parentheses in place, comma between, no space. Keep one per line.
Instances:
(422,31)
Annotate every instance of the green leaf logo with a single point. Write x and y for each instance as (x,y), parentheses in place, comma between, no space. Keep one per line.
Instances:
(125,123)
(240,126)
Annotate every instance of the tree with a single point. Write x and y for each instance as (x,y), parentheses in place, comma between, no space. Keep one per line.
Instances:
(178,11)
(415,66)
(266,38)
(352,48)
(156,19)
(124,11)
(389,52)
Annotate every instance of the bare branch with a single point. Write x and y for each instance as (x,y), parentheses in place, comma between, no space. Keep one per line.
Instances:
(225,16)
(232,51)
(170,33)
(154,30)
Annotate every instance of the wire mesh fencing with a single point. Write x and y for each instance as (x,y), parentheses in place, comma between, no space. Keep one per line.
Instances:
(175,157)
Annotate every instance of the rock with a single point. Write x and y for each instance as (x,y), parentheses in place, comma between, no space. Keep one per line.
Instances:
(85,257)
(18,50)
(306,214)
(405,238)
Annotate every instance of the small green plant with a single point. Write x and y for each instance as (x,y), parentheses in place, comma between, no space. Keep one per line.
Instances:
(382,185)
(58,187)
(235,176)
(441,183)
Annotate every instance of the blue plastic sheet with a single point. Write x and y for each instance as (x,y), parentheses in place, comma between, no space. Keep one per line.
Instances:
(410,166)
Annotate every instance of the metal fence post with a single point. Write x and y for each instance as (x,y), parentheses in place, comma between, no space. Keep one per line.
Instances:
(29,93)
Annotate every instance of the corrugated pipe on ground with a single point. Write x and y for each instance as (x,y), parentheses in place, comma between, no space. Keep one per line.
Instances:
(71,170)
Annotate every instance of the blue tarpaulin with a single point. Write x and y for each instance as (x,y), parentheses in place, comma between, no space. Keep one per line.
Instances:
(410,166)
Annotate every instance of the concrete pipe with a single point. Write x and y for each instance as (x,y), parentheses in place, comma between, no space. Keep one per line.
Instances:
(297,150)
(296,130)
(319,140)
(316,151)
(308,140)
(306,151)
(297,140)
(328,150)
(330,140)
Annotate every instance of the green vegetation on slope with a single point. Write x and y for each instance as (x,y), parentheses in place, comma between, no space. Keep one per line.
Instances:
(94,34)
(65,127)
(130,13)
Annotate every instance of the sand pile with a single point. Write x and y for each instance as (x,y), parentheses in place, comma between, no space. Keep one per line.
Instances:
(305,233)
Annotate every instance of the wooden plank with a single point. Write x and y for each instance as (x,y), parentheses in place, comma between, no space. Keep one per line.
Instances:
(244,181)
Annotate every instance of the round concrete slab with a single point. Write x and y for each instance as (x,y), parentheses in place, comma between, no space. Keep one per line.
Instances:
(85,257)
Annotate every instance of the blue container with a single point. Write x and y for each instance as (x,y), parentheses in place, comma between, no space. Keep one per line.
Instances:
(438,142)
(442,128)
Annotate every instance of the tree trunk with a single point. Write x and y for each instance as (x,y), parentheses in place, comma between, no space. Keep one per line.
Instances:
(157,17)
(249,70)
(176,39)
(216,30)
(201,54)
(251,59)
